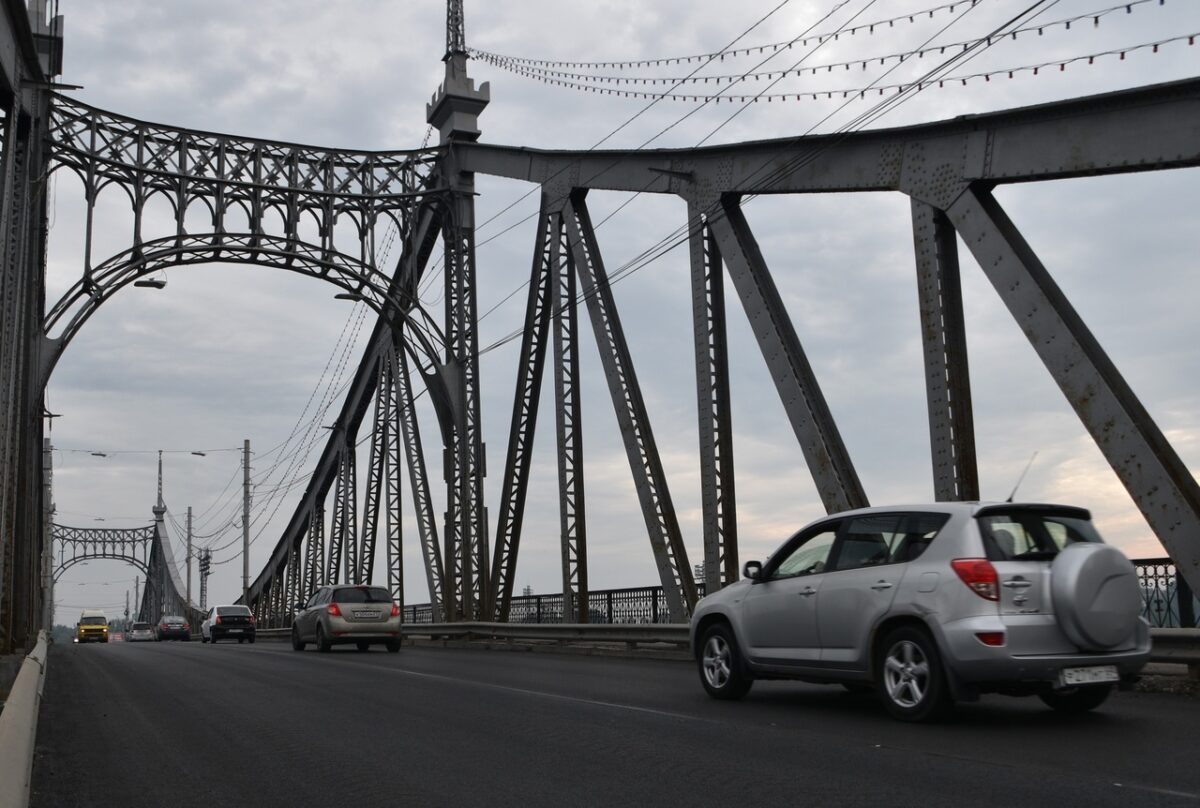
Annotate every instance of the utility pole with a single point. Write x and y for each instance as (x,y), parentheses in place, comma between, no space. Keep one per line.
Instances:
(126,609)
(188,597)
(246,522)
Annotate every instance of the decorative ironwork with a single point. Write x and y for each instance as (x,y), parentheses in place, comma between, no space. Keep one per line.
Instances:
(1167,600)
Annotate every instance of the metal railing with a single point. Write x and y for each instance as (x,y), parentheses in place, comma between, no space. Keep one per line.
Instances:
(636,605)
(1167,600)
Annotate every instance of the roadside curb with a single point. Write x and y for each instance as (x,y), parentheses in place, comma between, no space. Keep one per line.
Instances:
(18,727)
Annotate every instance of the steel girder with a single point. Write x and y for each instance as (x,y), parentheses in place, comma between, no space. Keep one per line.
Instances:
(1149,468)
(466,555)
(828,461)
(568,423)
(944,336)
(419,483)
(343,533)
(718,493)
(1144,129)
(376,471)
(666,541)
(525,409)
(392,474)
(314,559)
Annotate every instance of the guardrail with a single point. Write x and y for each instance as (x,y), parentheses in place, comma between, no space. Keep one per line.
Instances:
(18,727)
(1180,645)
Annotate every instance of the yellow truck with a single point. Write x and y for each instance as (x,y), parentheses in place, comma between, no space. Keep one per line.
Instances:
(92,627)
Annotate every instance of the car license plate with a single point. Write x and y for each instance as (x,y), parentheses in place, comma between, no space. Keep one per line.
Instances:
(366,615)
(1087,676)
(235,631)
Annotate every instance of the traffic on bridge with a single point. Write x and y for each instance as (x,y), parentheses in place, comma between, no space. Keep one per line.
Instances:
(921,269)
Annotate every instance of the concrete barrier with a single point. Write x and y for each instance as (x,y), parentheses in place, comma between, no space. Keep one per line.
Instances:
(18,727)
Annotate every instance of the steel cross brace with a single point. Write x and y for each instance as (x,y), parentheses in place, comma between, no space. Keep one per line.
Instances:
(828,461)
(419,483)
(525,410)
(1160,484)
(670,554)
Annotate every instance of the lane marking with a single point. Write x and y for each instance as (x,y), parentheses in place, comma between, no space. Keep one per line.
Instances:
(1167,791)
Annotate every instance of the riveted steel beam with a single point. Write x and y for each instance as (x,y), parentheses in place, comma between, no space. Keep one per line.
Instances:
(392,474)
(1159,483)
(314,559)
(718,497)
(419,483)
(944,338)
(828,461)
(376,472)
(517,463)
(569,432)
(666,540)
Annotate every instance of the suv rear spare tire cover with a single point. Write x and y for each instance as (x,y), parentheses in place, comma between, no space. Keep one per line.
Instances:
(1096,597)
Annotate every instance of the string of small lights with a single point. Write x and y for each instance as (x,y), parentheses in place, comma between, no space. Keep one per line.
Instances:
(817,38)
(961,79)
(1063,24)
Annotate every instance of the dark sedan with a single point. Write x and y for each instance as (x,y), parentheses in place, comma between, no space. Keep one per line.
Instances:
(173,627)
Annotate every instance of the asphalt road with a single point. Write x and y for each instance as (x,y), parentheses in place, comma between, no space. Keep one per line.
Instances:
(186,724)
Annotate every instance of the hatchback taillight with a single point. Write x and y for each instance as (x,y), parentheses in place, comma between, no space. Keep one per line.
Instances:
(979,575)
(395,610)
(333,610)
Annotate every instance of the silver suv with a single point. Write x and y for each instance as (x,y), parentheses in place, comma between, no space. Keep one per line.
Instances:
(933,604)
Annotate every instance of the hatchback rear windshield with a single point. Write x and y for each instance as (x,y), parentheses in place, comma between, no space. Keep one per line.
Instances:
(233,611)
(92,621)
(141,626)
(1032,533)
(362,594)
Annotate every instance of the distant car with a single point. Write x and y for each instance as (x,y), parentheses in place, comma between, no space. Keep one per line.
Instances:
(141,632)
(228,623)
(341,614)
(931,604)
(92,626)
(173,627)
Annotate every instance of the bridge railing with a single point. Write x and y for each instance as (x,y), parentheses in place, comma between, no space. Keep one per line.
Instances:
(634,605)
(1167,602)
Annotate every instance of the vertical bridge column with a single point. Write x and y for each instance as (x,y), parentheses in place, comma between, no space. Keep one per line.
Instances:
(718,499)
(943,334)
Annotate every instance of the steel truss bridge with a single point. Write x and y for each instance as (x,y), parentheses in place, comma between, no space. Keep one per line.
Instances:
(276,205)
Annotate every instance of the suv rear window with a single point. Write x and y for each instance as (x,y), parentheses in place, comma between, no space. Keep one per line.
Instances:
(1024,533)
(362,594)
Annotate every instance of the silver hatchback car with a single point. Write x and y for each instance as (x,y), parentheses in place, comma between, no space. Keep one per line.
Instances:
(345,613)
(933,604)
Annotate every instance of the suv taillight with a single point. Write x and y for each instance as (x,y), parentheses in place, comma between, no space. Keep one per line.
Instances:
(333,610)
(979,575)
(395,610)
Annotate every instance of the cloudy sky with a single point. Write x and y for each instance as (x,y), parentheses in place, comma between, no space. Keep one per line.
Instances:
(226,353)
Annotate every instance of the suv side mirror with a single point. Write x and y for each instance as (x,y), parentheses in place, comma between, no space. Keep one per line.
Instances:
(752,570)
